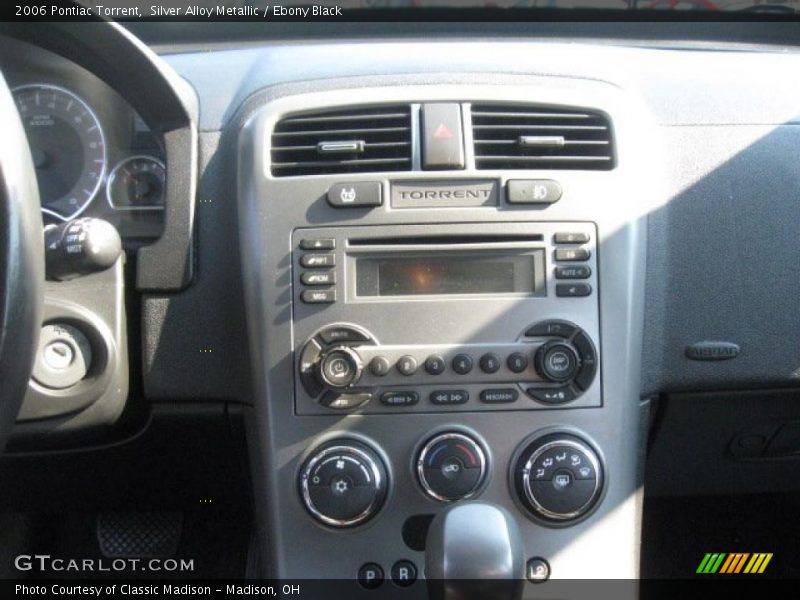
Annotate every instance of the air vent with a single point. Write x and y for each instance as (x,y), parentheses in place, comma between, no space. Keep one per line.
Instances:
(358,140)
(531,137)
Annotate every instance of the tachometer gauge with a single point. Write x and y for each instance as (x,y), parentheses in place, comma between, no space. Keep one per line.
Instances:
(137,183)
(68,147)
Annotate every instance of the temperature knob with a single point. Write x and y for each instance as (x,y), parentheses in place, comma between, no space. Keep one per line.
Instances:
(343,484)
(451,466)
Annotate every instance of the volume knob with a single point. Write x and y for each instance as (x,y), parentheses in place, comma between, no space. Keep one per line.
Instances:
(340,367)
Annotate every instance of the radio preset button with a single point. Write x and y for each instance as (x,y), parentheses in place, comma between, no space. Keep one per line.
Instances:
(379,366)
(444,397)
(462,364)
(565,237)
(318,296)
(489,363)
(499,396)
(517,362)
(318,261)
(573,290)
(400,398)
(407,365)
(318,244)
(434,364)
(576,272)
(321,278)
(572,254)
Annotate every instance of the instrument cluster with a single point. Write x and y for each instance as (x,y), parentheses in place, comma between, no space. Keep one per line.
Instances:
(94,156)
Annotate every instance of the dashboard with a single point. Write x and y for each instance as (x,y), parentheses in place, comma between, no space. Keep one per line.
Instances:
(423,275)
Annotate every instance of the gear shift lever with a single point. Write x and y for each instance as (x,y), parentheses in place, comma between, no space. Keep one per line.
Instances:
(474,550)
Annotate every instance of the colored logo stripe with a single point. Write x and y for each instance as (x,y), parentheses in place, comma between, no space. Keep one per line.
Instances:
(758,563)
(711,562)
(722,562)
(735,563)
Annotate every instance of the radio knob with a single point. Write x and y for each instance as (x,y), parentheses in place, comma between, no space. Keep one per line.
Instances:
(556,361)
(340,367)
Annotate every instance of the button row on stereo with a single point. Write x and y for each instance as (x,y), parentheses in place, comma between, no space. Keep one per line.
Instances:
(449,397)
(546,395)
(318,277)
(572,254)
(462,364)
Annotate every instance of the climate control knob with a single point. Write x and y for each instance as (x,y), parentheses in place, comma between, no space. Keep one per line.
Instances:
(343,483)
(451,466)
(340,367)
(557,362)
(558,477)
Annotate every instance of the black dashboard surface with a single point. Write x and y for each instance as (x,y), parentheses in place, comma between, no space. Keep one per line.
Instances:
(724,147)
(701,99)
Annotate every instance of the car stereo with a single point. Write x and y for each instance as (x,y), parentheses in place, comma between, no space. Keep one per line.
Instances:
(455,317)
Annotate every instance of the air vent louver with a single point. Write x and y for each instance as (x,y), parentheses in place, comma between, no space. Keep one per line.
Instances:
(532,137)
(357,140)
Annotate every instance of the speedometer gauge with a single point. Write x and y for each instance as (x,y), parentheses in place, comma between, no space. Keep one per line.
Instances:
(68,147)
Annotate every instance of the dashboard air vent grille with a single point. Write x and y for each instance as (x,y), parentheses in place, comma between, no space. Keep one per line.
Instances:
(533,137)
(352,140)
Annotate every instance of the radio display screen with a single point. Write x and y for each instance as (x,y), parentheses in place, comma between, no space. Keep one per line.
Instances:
(446,275)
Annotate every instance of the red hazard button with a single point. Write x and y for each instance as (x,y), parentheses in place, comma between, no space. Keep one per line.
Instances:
(442,136)
(442,132)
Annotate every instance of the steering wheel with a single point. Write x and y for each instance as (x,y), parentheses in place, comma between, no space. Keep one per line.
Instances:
(21,262)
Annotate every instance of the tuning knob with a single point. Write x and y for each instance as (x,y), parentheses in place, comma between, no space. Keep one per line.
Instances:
(340,367)
(556,361)
(343,483)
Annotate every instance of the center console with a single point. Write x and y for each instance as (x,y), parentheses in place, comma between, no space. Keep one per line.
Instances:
(444,292)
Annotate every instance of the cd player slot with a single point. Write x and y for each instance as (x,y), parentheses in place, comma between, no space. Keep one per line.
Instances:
(438,240)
